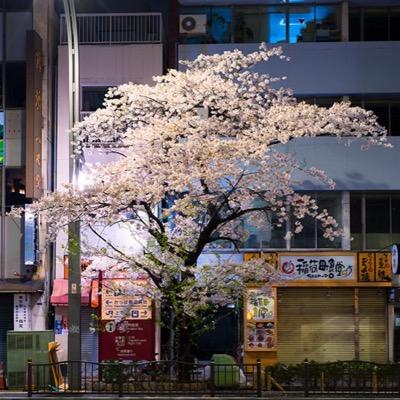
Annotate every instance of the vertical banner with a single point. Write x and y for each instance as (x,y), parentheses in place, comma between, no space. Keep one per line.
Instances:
(383,267)
(22,312)
(366,267)
(260,320)
(33,138)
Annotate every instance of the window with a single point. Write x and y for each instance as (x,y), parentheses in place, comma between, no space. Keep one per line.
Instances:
(386,109)
(15,85)
(312,235)
(93,97)
(260,24)
(1,138)
(15,187)
(374,24)
(272,24)
(31,235)
(374,220)
(269,237)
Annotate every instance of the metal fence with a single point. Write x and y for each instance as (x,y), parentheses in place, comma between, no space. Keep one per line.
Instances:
(116,28)
(341,377)
(161,377)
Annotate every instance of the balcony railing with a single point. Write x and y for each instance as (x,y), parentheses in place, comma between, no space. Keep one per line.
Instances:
(116,28)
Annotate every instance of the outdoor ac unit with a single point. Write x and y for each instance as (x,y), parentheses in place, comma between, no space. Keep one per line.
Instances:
(193,24)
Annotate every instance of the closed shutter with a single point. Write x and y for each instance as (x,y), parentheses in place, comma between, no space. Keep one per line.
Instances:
(6,322)
(89,339)
(315,323)
(373,339)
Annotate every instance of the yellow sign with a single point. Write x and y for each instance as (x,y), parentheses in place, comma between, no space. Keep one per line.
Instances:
(383,267)
(270,258)
(116,303)
(250,256)
(260,320)
(366,267)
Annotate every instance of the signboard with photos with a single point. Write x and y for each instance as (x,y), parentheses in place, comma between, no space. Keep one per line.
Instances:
(260,320)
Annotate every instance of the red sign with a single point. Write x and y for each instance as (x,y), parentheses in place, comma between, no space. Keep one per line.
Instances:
(127,340)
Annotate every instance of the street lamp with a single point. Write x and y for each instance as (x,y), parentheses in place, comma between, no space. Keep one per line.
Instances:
(74,270)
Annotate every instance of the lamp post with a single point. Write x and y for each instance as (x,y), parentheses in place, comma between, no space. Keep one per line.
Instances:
(74,268)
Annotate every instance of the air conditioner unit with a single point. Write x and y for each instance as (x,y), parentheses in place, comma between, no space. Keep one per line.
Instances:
(193,24)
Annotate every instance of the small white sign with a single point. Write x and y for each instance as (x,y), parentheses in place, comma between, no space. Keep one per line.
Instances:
(22,312)
(318,267)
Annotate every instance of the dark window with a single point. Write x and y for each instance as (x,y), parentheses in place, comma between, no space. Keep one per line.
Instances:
(332,202)
(355,214)
(381,109)
(15,187)
(395,24)
(93,97)
(377,214)
(18,5)
(376,24)
(354,25)
(396,214)
(306,238)
(395,119)
(15,85)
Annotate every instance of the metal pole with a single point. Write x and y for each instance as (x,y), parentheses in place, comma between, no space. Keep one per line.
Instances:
(74,275)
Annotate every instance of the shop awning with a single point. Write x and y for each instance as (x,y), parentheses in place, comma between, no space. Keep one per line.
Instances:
(59,297)
(17,286)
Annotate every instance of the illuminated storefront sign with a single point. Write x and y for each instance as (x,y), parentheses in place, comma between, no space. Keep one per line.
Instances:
(260,316)
(318,266)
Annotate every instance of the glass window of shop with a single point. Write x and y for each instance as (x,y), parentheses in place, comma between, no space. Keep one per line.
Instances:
(312,235)
(271,235)
(93,97)
(272,24)
(374,220)
(386,109)
(259,24)
(268,236)
(374,23)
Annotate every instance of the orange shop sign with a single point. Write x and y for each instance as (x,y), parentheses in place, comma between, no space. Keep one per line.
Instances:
(117,301)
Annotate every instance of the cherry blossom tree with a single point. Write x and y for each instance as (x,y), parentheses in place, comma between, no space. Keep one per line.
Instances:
(197,155)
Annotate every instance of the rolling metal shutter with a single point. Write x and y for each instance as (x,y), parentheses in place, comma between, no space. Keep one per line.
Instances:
(373,317)
(89,340)
(315,323)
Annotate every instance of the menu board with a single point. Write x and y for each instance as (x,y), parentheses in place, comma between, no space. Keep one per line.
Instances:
(260,326)
(117,304)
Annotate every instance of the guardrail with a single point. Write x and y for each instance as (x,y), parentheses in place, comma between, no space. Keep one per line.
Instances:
(161,377)
(341,377)
(115,28)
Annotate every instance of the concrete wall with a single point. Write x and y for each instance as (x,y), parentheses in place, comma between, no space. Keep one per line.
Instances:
(325,68)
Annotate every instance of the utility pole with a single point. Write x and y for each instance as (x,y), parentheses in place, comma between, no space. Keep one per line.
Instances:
(74,264)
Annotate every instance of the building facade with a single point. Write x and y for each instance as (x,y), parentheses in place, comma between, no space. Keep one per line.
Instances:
(339,50)
(27,43)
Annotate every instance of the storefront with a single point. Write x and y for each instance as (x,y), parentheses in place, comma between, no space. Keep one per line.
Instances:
(329,306)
